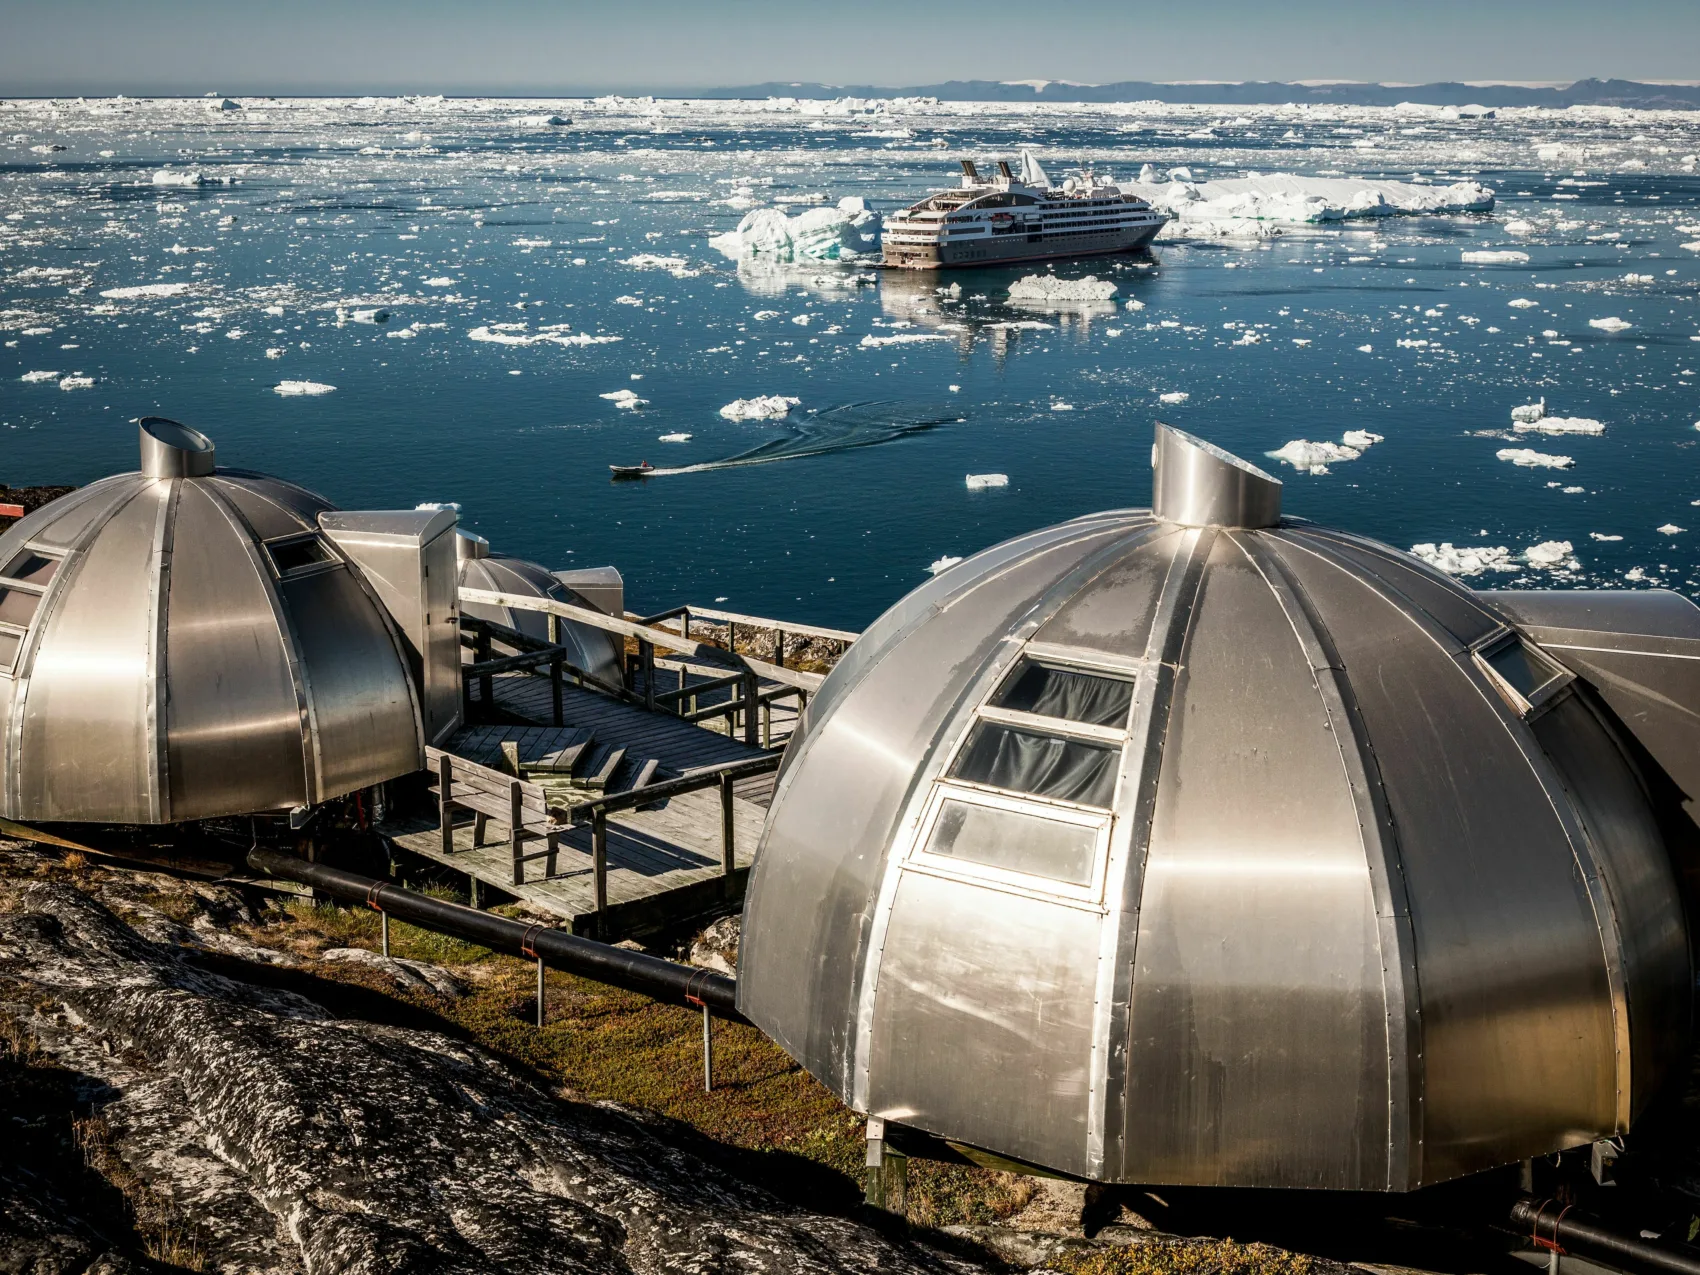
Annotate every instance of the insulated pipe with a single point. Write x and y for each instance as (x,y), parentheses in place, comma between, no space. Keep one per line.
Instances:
(1550,1223)
(634,971)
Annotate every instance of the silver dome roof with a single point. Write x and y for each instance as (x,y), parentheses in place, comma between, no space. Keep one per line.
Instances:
(1206,846)
(594,650)
(183,643)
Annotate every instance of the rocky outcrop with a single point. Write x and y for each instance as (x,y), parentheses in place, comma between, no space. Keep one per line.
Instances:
(284,1139)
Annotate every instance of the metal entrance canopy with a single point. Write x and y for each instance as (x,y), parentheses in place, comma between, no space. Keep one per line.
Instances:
(1201,845)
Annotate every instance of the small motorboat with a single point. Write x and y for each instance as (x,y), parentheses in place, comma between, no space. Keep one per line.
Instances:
(620,473)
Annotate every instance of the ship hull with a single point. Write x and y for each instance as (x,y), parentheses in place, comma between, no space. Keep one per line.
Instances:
(1008,250)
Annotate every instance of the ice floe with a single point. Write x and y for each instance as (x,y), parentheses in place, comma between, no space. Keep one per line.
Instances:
(1258,206)
(979,482)
(1474,560)
(673,438)
(550,334)
(943,564)
(1315,458)
(1048,287)
(1611,323)
(625,399)
(1522,303)
(848,231)
(1174,396)
(1528,413)
(1560,425)
(903,338)
(1531,459)
(1494,258)
(147,290)
(1669,529)
(292,389)
(76,381)
(32,377)
(763,407)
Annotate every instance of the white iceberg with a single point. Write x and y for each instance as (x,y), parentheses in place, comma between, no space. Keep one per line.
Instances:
(979,482)
(903,338)
(845,232)
(1522,303)
(1048,287)
(77,381)
(1465,560)
(188,177)
(764,407)
(1361,438)
(1560,425)
(1611,323)
(1258,206)
(1494,258)
(625,399)
(1529,413)
(673,438)
(146,290)
(1174,396)
(1315,458)
(32,377)
(1532,459)
(943,564)
(1552,555)
(292,389)
(1669,529)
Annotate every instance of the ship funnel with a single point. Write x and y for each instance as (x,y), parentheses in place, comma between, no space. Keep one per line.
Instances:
(170,450)
(468,545)
(1197,484)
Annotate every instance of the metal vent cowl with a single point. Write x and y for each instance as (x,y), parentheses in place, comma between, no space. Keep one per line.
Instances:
(1197,484)
(171,450)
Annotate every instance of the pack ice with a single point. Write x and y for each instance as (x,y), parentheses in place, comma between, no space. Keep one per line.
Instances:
(1048,287)
(841,233)
(1257,206)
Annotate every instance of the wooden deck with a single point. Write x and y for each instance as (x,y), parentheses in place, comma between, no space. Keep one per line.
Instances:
(665,863)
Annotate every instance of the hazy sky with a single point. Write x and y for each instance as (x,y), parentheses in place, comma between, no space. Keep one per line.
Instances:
(529,46)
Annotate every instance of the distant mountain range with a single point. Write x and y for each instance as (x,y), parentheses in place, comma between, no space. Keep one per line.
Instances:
(1249,93)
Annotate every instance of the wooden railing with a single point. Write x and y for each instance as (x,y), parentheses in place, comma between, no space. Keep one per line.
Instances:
(752,705)
(725,776)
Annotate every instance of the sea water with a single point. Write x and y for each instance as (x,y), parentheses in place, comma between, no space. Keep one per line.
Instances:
(394,301)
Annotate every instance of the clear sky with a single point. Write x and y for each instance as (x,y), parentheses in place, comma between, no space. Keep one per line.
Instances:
(534,47)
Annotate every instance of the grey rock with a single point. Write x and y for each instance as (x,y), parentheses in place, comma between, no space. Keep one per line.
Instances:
(292,1141)
(407,973)
(716,948)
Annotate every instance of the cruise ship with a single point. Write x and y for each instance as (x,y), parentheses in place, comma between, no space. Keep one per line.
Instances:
(990,221)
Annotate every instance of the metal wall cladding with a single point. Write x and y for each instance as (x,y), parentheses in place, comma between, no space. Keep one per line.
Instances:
(594,650)
(174,670)
(1364,921)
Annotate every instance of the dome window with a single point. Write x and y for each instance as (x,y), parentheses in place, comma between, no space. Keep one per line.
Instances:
(1526,678)
(296,554)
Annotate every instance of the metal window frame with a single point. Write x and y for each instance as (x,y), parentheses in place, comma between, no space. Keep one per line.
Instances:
(1033,885)
(23,631)
(1544,696)
(330,562)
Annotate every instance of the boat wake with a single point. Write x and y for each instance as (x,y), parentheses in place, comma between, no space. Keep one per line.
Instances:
(834,429)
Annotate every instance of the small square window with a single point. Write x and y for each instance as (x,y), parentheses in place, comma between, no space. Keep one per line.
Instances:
(294,555)
(1015,841)
(1527,672)
(31,567)
(9,643)
(1059,692)
(1044,765)
(18,607)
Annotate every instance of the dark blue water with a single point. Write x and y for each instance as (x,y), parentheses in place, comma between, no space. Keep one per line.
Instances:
(874,490)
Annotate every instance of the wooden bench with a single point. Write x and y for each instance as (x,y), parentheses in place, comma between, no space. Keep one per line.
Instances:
(522,807)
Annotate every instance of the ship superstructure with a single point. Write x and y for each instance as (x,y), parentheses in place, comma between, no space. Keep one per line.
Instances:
(1006,218)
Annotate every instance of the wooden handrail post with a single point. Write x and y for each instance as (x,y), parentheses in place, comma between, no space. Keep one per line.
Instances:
(445,803)
(646,653)
(752,692)
(728,848)
(486,684)
(554,629)
(599,863)
(516,827)
(555,687)
(767,724)
(779,647)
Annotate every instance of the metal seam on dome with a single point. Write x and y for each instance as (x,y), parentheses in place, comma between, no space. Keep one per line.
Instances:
(159,607)
(299,677)
(75,555)
(1384,859)
(1545,774)
(1147,730)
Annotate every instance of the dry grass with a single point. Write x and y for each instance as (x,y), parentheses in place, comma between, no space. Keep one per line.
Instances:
(1188,1257)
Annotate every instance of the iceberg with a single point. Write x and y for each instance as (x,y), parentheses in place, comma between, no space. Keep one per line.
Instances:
(1559,425)
(146,290)
(1465,560)
(943,564)
(1529,413)
(764,407)
(1174,396)
(1315,458)
(1611,323)
(1048,287)
(979,482)
(1494,258)
(294,389)
(845,232)
(626,399)
(1257,206)
(1532,459)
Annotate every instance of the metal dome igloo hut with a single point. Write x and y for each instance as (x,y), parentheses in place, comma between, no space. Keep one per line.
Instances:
(1196,845)
(188,642)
